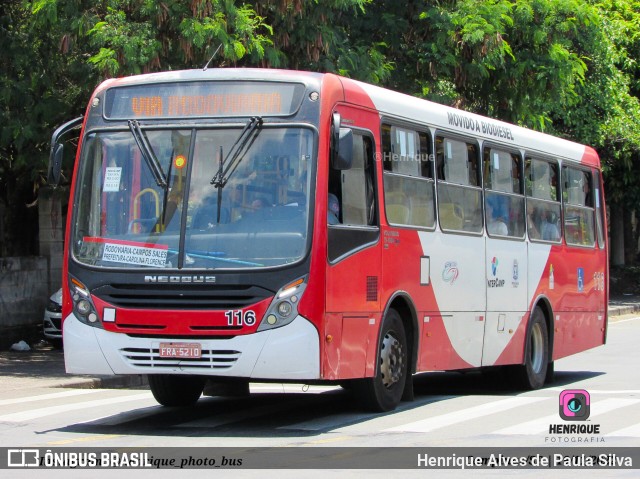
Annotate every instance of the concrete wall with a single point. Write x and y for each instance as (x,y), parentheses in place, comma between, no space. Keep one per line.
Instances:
(24,292)
(27,282)
(52,207)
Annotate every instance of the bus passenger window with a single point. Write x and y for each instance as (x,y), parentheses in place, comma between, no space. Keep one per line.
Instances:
(408,177)
(578,207)
(504,199)
(543,202)
(459,194)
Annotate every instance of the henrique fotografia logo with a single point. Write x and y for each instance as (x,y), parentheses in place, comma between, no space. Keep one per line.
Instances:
(575,405)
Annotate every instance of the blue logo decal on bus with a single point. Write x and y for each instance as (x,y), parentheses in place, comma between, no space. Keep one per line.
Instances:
(580,279)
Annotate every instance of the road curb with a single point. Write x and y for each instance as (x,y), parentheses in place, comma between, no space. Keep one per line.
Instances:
(107,382)
(623,309)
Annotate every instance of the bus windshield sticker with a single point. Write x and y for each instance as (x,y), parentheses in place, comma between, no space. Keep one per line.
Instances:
(112,176)
(132,252)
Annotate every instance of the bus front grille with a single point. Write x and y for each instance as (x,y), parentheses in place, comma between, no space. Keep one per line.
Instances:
(149,358)
(188,297)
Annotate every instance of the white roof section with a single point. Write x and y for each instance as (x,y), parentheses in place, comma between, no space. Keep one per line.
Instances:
(466,123)
(230,74)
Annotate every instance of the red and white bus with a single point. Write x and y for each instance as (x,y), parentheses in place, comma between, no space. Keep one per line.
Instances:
(237,225)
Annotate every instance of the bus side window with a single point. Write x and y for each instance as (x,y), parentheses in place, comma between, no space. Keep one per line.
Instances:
(352,215)
(354,188)
(578,207)
(408,177)
(543,201)
(459,194)
(599,204)
(504,199)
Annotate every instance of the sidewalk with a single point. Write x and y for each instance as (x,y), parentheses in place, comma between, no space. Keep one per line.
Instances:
(619,306)
(43,366)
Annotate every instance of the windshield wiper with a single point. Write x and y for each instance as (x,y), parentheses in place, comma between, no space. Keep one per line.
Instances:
(148,154)
(237,152)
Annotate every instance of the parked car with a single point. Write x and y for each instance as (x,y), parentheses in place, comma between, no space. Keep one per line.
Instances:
(52,322)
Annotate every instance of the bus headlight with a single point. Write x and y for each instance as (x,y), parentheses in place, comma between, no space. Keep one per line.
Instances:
(284,307)
(83,307)
(82,304)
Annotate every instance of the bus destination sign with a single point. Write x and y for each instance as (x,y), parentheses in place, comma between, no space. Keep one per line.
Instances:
(203,99)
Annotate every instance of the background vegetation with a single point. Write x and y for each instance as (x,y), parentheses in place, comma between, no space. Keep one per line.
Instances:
(566,67)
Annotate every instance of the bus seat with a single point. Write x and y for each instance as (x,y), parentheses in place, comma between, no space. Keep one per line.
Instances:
(398,214)
(396,207)
(142,225)
(208,214)
(451,216)
(422,215)
(421,211)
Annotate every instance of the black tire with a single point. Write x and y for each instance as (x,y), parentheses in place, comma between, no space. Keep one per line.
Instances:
(550,373)
(176,391)
(533,373)
(383,392)
(56,343)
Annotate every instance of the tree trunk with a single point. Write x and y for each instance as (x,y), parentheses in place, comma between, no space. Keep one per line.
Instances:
(617,235)
(629,244)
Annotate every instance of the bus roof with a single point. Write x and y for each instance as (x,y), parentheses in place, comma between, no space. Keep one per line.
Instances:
(448,119)
(229,74)
(389,103)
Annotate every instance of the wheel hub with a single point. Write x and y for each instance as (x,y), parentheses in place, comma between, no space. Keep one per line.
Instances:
(391,363)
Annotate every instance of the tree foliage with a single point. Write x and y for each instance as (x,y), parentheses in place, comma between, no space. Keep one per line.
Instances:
(567,67)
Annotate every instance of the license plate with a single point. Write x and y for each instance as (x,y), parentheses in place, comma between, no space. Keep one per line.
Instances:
(180,350)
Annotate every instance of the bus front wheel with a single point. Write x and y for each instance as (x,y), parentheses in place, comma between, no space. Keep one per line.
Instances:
(533,373)
(384,391)
(176,391)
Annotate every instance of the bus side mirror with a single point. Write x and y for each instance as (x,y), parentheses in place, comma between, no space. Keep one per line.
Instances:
(56,153)
(341,145)
(55,164)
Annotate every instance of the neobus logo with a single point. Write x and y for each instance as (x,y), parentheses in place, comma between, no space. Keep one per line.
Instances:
(179,279)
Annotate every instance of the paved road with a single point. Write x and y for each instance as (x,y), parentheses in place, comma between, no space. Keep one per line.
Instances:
(450,409)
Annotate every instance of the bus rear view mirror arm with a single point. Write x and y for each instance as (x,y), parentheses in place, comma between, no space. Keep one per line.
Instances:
(57,150)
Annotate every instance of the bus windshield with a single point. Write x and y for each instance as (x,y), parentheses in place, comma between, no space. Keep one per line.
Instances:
(149,198)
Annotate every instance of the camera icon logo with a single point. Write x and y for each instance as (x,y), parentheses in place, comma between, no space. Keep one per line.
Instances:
(575,405)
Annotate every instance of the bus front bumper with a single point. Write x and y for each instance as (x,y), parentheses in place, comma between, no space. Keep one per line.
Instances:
(290,352)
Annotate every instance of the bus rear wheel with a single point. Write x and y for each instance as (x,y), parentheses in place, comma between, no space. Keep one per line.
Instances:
(533,373)
(176,391)
(383,392)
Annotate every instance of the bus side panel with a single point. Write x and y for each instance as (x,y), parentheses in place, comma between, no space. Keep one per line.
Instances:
(312,305)
(353,281)
(457,277)
(506,282)
(577,300)
(407,268)
(538,284)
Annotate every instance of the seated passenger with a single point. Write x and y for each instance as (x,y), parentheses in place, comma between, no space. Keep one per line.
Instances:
(333,210)
(207,214)
(495,224)
(548,228)
(259,203)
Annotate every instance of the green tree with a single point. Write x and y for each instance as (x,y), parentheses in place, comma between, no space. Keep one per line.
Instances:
(41,86)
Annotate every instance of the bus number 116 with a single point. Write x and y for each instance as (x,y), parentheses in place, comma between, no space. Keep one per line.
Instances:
(240,317)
